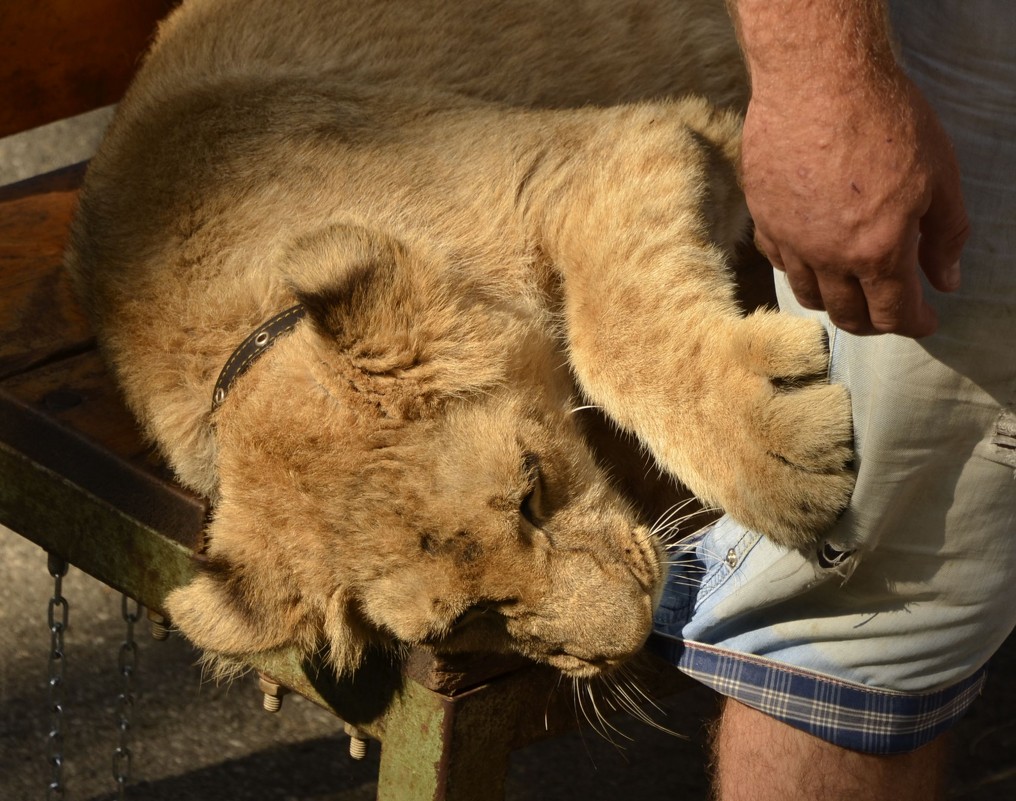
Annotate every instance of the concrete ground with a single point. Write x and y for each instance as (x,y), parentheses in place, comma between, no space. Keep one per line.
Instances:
(196,741)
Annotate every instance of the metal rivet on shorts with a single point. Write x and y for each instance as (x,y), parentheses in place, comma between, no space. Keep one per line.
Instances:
(261,339)
(731,559)
(220,395)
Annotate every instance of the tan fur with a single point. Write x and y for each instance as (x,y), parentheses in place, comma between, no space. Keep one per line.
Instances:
(494,212)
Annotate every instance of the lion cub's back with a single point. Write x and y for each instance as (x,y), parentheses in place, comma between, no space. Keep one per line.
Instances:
(527,52)
(215,158)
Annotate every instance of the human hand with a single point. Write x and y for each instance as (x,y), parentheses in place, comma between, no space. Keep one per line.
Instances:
(840,189)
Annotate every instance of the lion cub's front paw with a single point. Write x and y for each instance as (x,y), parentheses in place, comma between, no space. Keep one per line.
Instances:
(794,451)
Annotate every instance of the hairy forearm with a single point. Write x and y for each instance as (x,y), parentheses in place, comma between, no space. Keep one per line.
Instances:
(821,48)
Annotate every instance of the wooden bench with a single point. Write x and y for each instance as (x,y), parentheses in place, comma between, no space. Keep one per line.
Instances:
(76,478)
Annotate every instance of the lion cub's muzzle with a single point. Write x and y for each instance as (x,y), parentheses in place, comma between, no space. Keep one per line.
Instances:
(607,614)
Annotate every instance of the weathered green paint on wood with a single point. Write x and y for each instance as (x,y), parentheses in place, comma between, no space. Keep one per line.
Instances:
(90,534)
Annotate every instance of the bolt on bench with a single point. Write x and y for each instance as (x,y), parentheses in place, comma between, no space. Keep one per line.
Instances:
(76,479)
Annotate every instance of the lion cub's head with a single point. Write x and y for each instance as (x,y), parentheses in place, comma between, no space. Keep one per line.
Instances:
(405,466)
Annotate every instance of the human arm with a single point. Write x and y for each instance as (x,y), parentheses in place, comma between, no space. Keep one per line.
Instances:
(844,164)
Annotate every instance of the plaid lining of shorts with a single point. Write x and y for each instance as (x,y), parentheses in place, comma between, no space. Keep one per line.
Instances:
(852,716)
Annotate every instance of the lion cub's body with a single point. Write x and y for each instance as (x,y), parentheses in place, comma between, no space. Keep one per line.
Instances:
(467,199)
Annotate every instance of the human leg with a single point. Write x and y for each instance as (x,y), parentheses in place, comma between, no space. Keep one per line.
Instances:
(758,758)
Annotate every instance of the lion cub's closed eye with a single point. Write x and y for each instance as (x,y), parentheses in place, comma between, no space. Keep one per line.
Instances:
(471,227)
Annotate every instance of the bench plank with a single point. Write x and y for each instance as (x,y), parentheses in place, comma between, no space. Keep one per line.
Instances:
(67,417)
(39,317)
(58,405)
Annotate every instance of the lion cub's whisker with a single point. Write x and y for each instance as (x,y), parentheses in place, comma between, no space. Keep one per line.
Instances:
(605,725)
(635,709)
(583,409)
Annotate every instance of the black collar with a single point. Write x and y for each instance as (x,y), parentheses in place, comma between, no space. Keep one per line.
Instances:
(247,352)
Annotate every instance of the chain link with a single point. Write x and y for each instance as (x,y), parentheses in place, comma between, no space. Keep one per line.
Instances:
(127,662)
(57,616)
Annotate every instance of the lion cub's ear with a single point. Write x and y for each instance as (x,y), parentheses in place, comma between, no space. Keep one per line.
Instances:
(212,616)
(393,312)
(246,598)
(224,612)
(355,283)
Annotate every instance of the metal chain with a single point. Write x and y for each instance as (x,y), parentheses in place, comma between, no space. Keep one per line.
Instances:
(128,664)
(58,616)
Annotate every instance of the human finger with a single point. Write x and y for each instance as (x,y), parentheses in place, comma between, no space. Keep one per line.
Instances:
(768,248)
(845,302)
(895,297)
(803,283)
(896,305)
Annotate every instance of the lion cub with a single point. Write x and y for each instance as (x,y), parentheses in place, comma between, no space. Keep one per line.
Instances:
(460,222)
